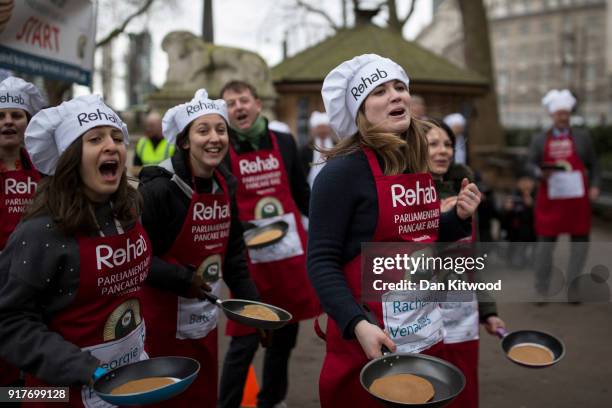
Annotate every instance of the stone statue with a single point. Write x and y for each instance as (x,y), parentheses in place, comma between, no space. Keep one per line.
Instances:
(194,64)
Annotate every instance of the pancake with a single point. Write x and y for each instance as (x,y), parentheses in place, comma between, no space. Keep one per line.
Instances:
(265,237)
(142,385)
(531,354)
(259,312)
(403,388)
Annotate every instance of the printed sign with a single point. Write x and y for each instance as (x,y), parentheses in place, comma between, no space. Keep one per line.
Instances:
(51,38)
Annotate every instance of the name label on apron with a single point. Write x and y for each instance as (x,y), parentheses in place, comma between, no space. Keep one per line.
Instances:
(113,354)
(288,247)
(565,184)
(196,318)
(460,321)
(413,321)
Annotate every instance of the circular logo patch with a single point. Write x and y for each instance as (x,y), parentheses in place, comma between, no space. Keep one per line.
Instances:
(210,269)
(124,319)
(268,207)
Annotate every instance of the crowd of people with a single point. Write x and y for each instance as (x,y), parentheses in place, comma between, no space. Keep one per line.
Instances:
(94,271)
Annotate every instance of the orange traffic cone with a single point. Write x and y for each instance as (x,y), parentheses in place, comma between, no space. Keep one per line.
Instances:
(249,394)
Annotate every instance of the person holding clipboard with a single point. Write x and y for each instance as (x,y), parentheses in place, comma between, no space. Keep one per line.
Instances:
(566,163)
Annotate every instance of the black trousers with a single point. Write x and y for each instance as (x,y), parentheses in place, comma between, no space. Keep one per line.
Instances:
(275,370)
(544,261)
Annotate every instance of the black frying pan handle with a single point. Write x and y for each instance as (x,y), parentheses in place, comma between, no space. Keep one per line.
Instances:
(371,318)
(212,298)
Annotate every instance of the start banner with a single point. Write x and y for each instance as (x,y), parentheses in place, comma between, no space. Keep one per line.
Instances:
(51,38)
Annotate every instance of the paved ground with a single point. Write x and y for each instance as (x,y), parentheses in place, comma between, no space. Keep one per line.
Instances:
(582,379)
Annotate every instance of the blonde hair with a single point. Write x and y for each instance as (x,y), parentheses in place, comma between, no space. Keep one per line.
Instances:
(406,152)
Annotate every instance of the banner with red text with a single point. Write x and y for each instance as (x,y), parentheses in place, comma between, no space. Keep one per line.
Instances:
(51,38)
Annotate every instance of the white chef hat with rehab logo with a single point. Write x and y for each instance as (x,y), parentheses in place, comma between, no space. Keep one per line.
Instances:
(454,119)
(556,100)
(318,118)
(52,130)
(278,126)
(347,86)
(15,93)
(179,117)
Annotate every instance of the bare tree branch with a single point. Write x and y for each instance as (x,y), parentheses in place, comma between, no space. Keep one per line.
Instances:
(394,21)
(320,12)
(405,19)
(143,8)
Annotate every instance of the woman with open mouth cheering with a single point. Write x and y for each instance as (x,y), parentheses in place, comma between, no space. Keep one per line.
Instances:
(374,188)
(19,100)
(190,213)
(73,269)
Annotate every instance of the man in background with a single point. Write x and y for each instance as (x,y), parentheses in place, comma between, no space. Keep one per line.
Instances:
(153,148)
(457,123)
(566,164)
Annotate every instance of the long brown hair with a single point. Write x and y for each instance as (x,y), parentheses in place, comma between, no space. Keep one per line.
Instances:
(62,197)
(400,152)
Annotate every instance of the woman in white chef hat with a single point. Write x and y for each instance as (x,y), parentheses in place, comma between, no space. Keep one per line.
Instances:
(364,194)
(191,215)
(74,267)
(19,100)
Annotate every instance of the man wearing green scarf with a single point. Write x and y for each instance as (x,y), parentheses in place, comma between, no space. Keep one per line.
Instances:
(271,189)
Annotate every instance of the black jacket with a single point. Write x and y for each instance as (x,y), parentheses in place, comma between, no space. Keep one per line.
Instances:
(165,209)
(39,277)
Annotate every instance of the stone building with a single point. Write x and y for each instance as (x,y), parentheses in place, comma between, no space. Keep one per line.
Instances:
(538,45)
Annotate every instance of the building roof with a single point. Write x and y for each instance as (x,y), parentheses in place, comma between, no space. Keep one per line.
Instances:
(422,66)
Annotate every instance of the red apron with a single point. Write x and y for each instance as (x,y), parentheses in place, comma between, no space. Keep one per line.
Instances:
(188,327)
(461,342)
(18,188)
(339,382)
(279,270)
(105,318)
(555,214)
(16,192)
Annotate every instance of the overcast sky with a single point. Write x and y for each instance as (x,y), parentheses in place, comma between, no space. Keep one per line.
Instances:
(257,25)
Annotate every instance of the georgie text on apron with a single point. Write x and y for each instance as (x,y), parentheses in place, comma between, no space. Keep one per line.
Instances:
(106,318)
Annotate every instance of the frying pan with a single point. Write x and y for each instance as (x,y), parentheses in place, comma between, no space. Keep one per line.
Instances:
(252,232)
(532,336)
(447,380)
(183,369)
(233,307)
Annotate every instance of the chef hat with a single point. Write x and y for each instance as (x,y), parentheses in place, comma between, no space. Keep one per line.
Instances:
(20,94)
(318,118)
(347,86)
(454,119)
(179,117)
(52,130)
(556,100)
(278,126)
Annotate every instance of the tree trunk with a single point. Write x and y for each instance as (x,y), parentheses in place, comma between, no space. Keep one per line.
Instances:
(208,33)
(488,135)
(55,90)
